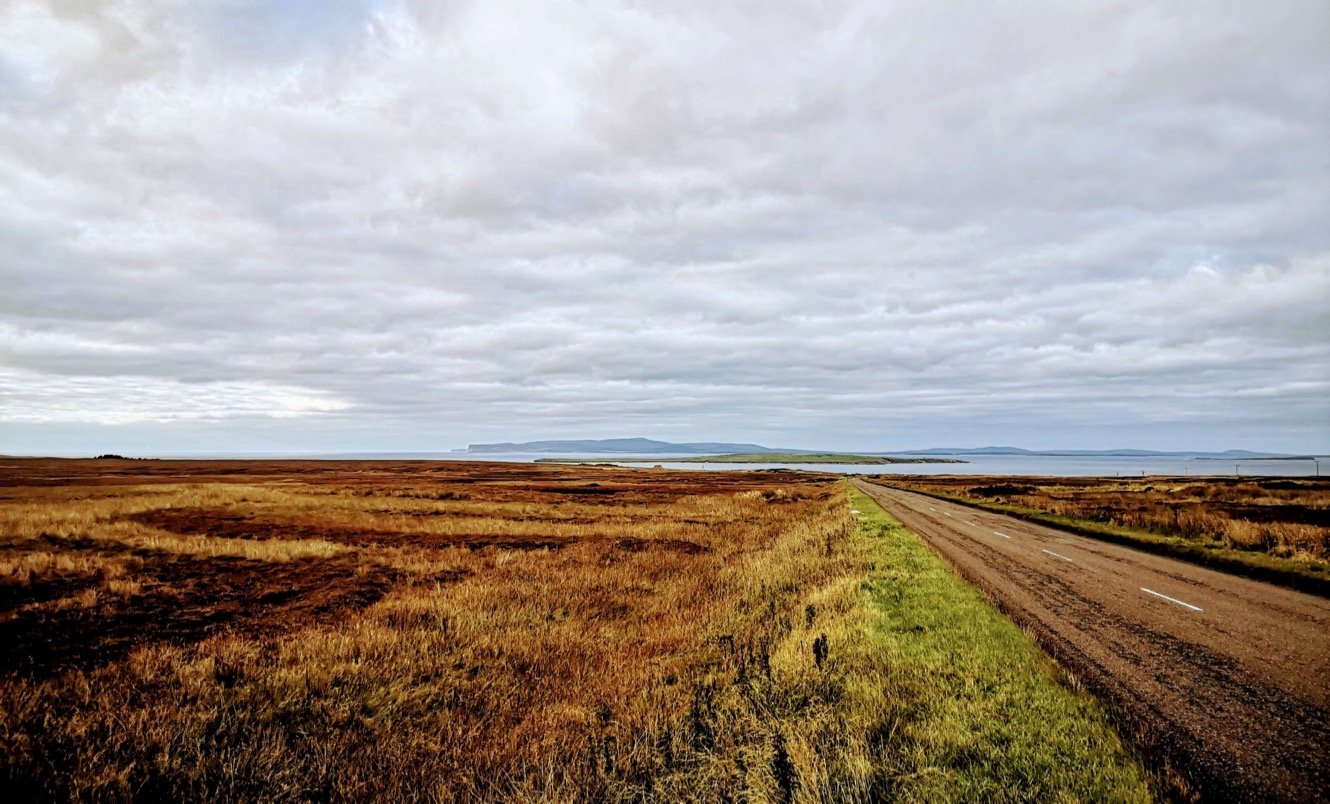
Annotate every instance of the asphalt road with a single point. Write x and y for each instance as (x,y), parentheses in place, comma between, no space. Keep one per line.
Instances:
(1225,679)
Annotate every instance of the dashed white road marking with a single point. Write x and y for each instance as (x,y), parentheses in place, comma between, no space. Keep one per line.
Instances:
(1059,555)
(944,513)
(1000,533)
(1171,599)
(931,508)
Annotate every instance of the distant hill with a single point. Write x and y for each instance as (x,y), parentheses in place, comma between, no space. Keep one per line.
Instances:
(966,451)
(600,446)
(778,457)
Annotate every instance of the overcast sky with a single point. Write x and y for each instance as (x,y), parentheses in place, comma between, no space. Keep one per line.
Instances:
(233,225)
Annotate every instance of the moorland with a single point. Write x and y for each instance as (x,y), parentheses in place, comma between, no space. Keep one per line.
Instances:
(479,631)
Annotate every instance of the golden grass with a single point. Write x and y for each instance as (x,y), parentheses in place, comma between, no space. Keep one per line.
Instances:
(22,569)
(648,635)
(552,672)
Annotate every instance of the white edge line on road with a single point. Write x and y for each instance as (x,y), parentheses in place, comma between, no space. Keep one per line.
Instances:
(1059,555)
(1000,533)
(1171,599)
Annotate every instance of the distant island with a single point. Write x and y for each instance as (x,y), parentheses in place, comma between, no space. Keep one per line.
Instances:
(600,446)
(729,452)
(775,457)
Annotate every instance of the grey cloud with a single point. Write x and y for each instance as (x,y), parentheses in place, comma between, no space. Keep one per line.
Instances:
(856,225)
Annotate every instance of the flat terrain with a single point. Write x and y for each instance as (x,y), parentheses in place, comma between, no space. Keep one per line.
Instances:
(479,631)
(1227,677)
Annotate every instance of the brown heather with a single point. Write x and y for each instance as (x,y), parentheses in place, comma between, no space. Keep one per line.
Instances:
(478,631)
(472,632)
(1284,517)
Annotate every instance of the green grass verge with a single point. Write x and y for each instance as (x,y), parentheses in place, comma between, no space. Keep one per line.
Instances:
(1300,575)
(974,709)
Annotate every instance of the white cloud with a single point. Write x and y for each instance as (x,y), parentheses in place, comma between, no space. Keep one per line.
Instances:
(864,224)
(25,398)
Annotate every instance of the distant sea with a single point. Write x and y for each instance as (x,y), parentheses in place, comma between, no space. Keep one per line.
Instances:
(1046,465)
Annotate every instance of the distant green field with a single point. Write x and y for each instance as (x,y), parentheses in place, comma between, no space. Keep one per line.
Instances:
(763,457)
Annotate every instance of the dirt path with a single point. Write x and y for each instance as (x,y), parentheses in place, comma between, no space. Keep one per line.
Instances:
(1225,678)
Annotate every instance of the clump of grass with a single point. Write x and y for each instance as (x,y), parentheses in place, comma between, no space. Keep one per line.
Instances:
(35,566)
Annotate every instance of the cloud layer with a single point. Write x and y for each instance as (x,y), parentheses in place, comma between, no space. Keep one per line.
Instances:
(399,225)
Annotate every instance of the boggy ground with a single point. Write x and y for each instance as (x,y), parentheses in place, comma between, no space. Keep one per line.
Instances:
(178,599)
(472,631)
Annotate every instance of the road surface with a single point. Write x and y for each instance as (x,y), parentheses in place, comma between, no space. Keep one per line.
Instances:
(1226,679)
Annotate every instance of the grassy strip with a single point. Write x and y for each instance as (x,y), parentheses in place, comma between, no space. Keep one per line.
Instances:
(1305,577)
(973,709)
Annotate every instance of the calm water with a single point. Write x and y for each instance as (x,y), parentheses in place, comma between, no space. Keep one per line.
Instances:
(1054,466)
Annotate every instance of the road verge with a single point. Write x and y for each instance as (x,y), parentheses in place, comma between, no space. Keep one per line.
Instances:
(979,711)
